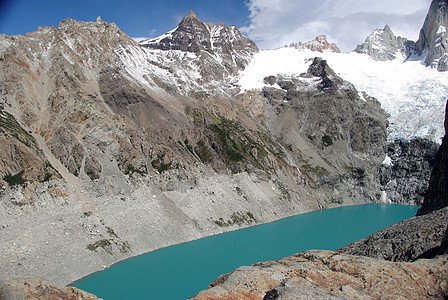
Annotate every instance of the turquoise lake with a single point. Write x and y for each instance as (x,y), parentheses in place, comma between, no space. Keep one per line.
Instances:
(181,271)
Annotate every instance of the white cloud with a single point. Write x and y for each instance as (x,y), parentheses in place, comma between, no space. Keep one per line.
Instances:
(274,23)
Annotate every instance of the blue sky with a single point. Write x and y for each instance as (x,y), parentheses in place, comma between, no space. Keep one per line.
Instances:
(270,23)
(136,18)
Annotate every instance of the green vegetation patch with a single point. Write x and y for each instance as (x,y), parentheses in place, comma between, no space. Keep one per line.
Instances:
(327,140)
(105,244)
(237,218)
(10,124)
(129,170)
(160,165)
(203,152)
(236,143)
(14,179)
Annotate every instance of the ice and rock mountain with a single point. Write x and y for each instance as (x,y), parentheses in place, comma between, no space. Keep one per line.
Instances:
(111,148)
(383,45)
(219,50)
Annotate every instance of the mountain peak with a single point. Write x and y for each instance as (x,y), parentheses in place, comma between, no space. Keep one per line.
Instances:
(382,45)
(192,35)
(387,29)
(190,16)
(319,44)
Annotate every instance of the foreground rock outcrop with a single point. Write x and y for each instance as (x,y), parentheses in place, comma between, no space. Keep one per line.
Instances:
(18,289)
(322,274)
(420,236)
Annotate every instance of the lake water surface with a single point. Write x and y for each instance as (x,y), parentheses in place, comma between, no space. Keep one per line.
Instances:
(181,271)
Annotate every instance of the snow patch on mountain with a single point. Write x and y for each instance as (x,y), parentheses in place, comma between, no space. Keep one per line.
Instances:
(413,95)
(157,40)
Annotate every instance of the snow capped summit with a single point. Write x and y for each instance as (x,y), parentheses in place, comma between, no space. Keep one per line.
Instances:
(212,52)
(192,35)
(382,44)
(319,44)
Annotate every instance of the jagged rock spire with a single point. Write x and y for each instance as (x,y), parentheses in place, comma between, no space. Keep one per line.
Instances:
(434,36)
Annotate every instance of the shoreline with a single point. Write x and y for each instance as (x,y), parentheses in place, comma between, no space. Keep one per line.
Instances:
(229,231)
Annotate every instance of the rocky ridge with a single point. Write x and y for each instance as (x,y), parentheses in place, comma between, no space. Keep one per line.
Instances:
(408,240)
(219,48)
(319,44)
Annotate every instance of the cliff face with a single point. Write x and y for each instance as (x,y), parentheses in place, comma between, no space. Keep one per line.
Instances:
(437,194)
(405,173)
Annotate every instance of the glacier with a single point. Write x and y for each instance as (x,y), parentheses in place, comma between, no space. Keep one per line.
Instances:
(413,95)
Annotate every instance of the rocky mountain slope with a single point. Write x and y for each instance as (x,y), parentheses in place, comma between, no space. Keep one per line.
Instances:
(111,148)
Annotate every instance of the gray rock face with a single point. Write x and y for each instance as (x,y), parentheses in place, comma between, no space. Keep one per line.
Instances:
(444,245)
(437,194)
(433,37)
(405,174)
(382,44)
